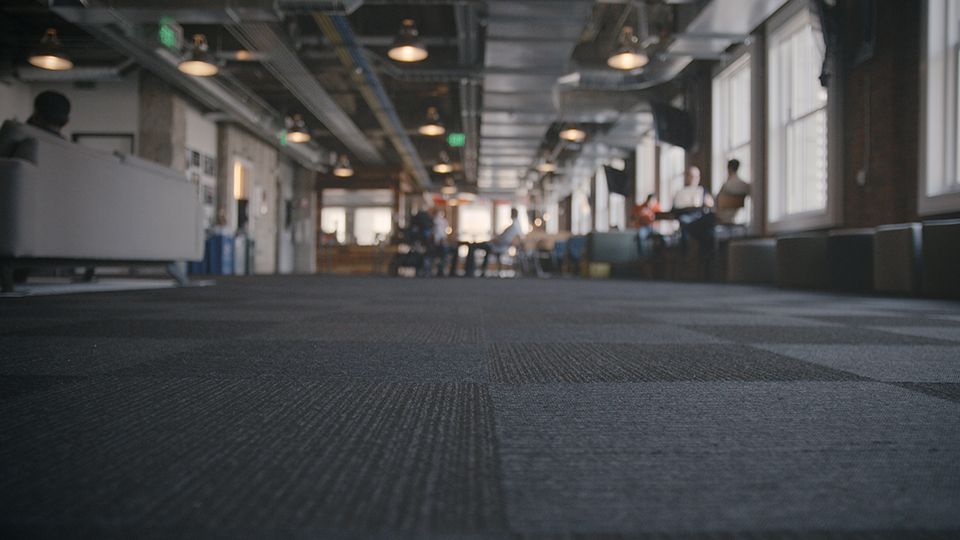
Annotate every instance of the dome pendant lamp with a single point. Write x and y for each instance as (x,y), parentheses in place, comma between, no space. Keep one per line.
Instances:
(573,133)
(343,169)
(199,62)
(630,55)
(407,46)
(298,132)
(443,166)
(432,127)
(49,55)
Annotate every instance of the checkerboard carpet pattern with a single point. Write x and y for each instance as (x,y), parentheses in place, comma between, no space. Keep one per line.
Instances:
(334,407)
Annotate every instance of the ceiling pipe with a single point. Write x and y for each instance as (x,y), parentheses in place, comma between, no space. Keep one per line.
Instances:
(212,94)
(287,67)
(337,31)
(468,39)
(77,74)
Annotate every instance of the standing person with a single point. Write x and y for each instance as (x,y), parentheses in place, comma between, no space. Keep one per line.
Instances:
(440,248)
(732,195)
(51,112)
(497,246)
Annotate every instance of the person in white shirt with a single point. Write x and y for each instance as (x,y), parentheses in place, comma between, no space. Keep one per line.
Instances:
(498,246)
(440,250)
(691,195)
(732,194)
(693,208)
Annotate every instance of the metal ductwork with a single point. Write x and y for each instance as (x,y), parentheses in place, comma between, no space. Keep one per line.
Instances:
(287,67)
(338,32)
(77,74)
(528,46)
(468,39)
(243,109)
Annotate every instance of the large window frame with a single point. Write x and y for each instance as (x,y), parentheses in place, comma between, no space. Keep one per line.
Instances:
(783,187)
(732,125)
(671,166)
(939,185)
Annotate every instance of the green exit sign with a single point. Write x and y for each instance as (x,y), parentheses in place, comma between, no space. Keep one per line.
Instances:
(456,140)
(170,33)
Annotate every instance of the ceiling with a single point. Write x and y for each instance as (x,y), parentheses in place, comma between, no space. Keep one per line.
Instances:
(492,71)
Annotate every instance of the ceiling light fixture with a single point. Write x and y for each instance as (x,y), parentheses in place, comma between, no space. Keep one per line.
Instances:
(432,127)
(443,165)
(199,62)
(573,133)
(298,132)
(546,165)
(49,55)
(343,169)
(630,55)
(407,46)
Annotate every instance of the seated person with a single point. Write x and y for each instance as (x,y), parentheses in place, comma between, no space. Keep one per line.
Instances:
(642,219)
(51,112)
(732,195)
(497,246)
(693,207)
(439,248)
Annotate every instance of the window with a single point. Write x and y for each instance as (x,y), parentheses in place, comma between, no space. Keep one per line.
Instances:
(797,121)
(474,222)
(646,169)
(671,173)
(333,219)
(601,202)
(731,125)
(371,225)
(940,174)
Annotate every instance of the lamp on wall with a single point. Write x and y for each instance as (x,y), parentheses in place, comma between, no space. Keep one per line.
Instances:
(630,55)
(432,127)
(343,169)
(407,46)
(49,54)
(298,131)
(199,61)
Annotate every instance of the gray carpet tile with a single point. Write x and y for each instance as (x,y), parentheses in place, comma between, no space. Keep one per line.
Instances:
(895,363)
(586,363)
(950,391)
(888,321)
(888,534)
(596,333)
(318,360)
(948,333)
(735,318)
(165,329)
(272,453)
(15,386)
(692,457)
(820,334)
(54,355)
(451,333)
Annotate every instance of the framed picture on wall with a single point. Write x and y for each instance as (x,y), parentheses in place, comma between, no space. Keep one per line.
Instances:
(107,142)
(209,166)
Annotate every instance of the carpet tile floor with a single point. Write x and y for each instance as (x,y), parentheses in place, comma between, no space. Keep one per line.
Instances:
(335,407)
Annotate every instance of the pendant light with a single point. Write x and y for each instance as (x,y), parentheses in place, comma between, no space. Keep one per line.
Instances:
(343,169)
(443,165)
(573,133)
(432,127)
(407,46)
(298,132)
(630,55)
(199,62)
(449,187)
(546,165)
(49,55)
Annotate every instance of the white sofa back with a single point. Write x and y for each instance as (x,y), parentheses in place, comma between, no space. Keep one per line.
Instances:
(65,201)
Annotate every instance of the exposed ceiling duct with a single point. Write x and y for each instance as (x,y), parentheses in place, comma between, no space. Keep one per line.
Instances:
(243,109)
(528,47)
(287,67)
(337,31)
(77,74)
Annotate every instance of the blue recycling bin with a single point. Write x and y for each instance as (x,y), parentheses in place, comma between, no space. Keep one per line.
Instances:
(219,254)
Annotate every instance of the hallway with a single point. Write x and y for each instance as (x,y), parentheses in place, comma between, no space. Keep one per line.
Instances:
(325,407)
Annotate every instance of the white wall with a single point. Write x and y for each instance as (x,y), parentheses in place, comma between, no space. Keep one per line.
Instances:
(201,132)
(15,101)
(107,107)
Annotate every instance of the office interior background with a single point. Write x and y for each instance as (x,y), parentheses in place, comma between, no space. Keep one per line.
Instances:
(242,288)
